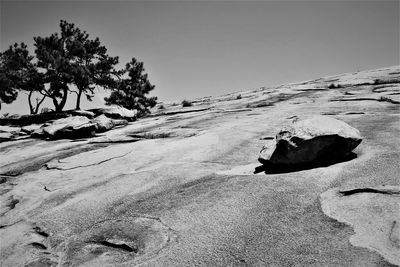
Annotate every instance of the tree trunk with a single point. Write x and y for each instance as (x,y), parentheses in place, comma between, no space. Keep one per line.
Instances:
(59,106)
(78,99)
(30,102)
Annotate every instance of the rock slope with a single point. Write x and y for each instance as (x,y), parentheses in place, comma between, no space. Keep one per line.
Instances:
(183,187)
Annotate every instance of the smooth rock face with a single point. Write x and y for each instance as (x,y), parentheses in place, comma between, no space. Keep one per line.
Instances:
(71,127)
(183,188)
(316,139)
(374,215)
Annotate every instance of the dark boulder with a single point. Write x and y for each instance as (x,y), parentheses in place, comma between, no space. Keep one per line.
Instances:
(316,140)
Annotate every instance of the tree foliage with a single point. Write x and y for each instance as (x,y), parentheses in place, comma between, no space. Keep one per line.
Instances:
(68,62)
(64,62)
(19,72)
(131,92)
(71,58)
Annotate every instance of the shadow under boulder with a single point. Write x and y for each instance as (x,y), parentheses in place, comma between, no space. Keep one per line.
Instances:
(316,142)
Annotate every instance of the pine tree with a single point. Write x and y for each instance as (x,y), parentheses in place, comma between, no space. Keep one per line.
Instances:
(131,92)
(19,72)
(71,58)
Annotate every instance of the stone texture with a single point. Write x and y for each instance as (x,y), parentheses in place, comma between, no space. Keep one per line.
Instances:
(85,113)
(116,112)
(89,205)
(71,127)
(103,123)
(320,138)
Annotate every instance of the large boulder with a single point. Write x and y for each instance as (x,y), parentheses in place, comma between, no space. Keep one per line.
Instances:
(71,127)
(315,140)
(116,112)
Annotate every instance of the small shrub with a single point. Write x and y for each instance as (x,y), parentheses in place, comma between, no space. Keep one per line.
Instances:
(248,106)
(239,96)
(387,99)
(174,104)
(161,107)
(384,99)
(386,81)
(333,86)
(186,103)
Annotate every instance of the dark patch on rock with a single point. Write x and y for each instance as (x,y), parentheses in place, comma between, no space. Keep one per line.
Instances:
(38,245)
(270,168)
(12,202)
(354,113)
(39,231)
(369,190)
(267,138)
(122,246)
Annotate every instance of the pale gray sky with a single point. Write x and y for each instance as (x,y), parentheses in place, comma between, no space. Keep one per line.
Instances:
(193,49)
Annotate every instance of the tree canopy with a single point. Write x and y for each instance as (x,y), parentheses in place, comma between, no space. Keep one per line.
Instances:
(70,62)
(131,92)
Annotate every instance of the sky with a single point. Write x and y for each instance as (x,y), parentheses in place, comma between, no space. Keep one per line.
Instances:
(200,48)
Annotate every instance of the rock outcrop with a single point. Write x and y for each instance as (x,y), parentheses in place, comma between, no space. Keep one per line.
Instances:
(116,112)
(317,139)
(71,127)
(32,118)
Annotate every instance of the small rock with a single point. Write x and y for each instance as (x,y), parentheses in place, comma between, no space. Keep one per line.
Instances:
(120,122)
(103,123)
(318,139)
(31,128)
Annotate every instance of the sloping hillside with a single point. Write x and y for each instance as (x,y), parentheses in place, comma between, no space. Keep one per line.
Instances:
(179,188)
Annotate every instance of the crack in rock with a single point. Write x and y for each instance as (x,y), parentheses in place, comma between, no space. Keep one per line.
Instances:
(84,166)
(39,231)
(369,190)
(38,245)
(122,246)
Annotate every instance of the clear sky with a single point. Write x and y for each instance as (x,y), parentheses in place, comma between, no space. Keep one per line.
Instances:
(192,49)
